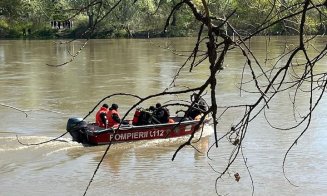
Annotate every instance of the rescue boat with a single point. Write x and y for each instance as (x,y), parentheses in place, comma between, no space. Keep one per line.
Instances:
(91,134)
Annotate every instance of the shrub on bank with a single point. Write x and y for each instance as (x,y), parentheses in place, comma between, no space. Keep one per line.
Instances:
(44,33)
(10,33)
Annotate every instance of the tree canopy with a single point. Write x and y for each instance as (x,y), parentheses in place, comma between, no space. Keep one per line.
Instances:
(143,17)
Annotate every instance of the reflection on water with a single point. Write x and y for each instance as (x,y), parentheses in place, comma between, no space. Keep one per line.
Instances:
(142,168)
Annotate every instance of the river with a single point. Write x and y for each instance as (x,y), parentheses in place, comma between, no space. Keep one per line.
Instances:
(50,95)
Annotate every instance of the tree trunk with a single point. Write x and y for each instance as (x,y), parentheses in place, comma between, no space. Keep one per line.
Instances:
(90,24)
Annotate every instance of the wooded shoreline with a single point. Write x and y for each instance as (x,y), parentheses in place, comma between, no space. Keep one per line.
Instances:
(42,19)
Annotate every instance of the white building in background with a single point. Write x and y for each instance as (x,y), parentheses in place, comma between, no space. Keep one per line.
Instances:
(57,24)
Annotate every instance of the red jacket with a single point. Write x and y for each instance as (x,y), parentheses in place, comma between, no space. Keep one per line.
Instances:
(111,121)
(136,117)
(98,119)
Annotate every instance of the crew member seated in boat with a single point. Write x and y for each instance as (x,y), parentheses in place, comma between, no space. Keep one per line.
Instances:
(161,114)
(152,109)
(101,116)
(114,117)
(199,107)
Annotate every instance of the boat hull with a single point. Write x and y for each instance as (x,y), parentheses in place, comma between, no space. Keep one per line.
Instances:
(94,135)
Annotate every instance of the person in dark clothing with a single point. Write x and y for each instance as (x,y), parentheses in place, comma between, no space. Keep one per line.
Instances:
(142,117)
(151,109)
(161,114)
(199,106)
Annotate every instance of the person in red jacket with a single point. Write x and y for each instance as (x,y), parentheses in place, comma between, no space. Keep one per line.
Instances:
(114,118)
(101,116)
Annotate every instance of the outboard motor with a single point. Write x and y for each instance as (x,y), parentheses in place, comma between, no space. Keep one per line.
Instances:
(76,127)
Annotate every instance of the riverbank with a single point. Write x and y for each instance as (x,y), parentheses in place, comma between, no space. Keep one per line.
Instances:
(110,33)
(79,33)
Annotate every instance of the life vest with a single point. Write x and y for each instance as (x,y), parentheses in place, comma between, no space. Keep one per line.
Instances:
(98,119)
(136,117)
(111,121)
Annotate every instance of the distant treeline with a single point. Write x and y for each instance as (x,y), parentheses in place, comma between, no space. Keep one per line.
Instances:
(48,19)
